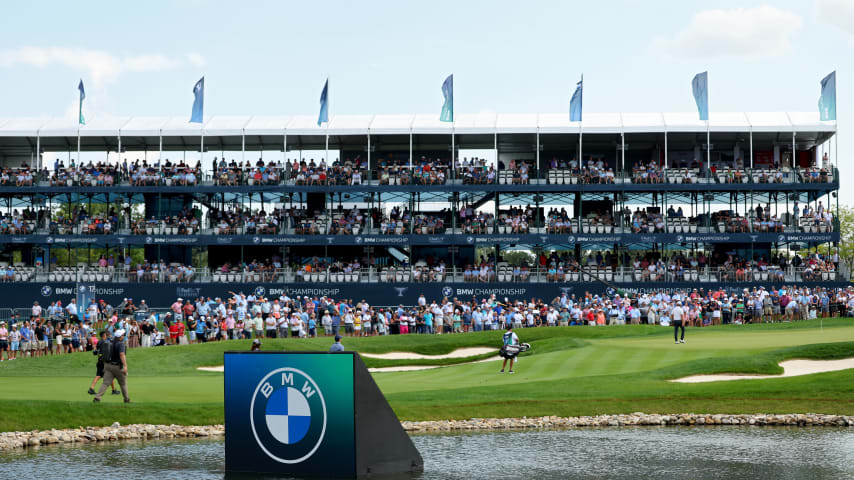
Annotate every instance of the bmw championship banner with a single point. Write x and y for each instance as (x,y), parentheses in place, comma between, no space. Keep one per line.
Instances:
(290,413)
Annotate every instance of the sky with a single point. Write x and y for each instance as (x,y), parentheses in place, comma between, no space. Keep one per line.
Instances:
(385,57)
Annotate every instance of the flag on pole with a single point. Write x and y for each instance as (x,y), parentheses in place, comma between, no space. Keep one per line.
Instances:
(575,102)
(700,85)
(324,104)
(447,114)
(827,100)
(199,102)
(80,119)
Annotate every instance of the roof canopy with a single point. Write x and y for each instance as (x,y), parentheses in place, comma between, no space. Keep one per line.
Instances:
(482,123)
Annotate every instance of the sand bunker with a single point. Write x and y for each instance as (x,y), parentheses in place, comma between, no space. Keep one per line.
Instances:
(412,368)
(791,368)
(458,353)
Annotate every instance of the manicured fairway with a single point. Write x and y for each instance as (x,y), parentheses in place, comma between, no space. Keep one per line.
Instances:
(570,371)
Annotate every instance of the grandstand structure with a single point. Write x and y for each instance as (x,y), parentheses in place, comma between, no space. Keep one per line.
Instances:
(389,207)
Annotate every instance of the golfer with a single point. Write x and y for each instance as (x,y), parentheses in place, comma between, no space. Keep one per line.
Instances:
(115,367)
(510,338)
(677,316)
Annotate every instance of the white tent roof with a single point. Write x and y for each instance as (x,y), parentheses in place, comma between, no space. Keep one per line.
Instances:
(482,123)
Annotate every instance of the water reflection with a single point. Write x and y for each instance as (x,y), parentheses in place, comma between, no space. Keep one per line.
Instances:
(627,453)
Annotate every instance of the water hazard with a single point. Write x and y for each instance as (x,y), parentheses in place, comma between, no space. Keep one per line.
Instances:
(624,453)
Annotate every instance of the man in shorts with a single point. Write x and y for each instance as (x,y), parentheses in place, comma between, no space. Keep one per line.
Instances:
(14,341)
(509,338)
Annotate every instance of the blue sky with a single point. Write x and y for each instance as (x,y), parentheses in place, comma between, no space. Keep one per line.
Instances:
(265,58)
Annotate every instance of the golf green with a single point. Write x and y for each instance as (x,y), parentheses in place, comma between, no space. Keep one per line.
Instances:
(569,371)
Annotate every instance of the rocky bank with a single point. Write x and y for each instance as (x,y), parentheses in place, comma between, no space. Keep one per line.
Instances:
(85,435)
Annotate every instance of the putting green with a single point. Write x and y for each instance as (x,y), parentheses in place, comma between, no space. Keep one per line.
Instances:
(569,371)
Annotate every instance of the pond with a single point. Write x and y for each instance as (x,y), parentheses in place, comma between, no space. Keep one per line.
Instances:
(613,453)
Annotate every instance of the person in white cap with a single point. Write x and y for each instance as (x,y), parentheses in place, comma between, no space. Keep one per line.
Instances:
(115,365)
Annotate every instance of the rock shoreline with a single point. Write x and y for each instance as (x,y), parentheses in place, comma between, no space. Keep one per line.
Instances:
(631,420)
(86,435)
(115,432)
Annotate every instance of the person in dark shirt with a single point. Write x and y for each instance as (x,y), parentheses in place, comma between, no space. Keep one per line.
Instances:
(115,367)
(99,366)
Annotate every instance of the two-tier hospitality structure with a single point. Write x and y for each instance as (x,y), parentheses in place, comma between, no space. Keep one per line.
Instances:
(388,207)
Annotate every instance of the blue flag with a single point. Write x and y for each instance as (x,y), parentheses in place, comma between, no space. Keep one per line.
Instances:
(199,102)
(700,85)
(827,101)
(80,119)
(575,102)
(447,114)
(324,104)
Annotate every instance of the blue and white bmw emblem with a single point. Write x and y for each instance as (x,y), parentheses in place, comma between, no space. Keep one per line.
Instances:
(260,291)
(447,291)
(288,415)
(46,290)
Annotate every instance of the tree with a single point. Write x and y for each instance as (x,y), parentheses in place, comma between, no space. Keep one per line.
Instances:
(845,221)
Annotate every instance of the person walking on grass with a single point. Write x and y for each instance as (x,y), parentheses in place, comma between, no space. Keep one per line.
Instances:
(677,317)
(509,338)
(115,366)
(102,351)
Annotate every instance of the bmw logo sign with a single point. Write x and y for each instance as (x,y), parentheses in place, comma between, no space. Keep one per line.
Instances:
(679,238)
(49,239)
(359,240)
(288,415)
(447,291)
(610,291)
(256,240)
(570,239)
(781,238)
(470,239)
(148,239)
(46,290)
(260,291)
(82,288)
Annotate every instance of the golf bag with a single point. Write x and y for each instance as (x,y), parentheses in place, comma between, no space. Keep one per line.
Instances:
(510,351)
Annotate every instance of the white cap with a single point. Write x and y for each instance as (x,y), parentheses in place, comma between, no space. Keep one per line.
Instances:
(119,333)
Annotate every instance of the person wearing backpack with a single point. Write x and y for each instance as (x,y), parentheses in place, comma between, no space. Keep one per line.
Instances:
(509,338)
(102,351)
(115,366)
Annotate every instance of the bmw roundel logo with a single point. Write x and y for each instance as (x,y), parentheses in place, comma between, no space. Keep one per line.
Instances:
(470,239)
(447,291)
(781,238)
(288,415)
(679,238)
(256,240)
(570,239)
(260,291)
(359,240)
(82,288)
(46,290)
(148,239)
(610,291)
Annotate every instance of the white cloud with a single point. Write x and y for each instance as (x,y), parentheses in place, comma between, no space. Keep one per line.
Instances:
(839,13)
(196,59)
(99,66)
(742,33)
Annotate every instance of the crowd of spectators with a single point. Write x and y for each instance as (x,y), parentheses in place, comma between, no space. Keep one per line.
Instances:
(58,329)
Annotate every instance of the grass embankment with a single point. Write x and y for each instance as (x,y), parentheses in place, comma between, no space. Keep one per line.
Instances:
(569,371)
